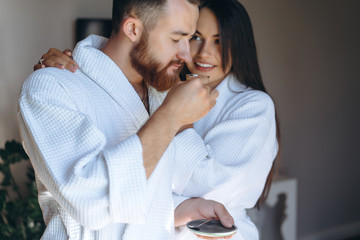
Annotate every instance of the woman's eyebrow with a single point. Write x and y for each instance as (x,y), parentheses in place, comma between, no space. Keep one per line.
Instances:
(199,33)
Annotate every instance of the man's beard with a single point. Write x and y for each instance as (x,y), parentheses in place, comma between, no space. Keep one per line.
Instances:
(148,67)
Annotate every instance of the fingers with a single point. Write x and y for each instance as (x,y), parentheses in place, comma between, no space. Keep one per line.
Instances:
(213,238)
(177,83)
(205,79)
(201,237)
(213,96)
(228,237)
(68,52)
(224,216)
(54,61)
(38,66)
(56,58)
(214,93)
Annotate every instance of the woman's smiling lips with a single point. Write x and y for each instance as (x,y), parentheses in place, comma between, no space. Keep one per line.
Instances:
(203,66)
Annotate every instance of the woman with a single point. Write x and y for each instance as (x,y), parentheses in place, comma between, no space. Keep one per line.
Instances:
(241,133)
(232,150)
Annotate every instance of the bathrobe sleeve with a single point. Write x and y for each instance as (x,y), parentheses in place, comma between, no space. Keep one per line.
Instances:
(232,159)
(95,184)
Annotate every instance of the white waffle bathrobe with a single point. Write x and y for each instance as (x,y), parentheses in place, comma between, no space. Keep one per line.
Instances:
(228,154)
(80,133)
(226,157)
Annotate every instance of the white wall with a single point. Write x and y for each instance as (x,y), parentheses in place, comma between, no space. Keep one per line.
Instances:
(28,28)
(309,54)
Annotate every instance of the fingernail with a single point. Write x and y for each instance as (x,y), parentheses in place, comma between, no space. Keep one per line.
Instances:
(229,223)
(73,69)
(42,66)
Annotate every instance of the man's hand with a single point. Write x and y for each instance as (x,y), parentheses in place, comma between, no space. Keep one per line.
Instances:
(185,103)
(56,58)
(198,208)
(190,101)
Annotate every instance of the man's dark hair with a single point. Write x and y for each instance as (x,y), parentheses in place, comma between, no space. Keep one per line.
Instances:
(148,11)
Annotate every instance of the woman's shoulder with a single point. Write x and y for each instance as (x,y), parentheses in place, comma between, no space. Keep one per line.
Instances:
(245,100)
(256,96)
(245,94)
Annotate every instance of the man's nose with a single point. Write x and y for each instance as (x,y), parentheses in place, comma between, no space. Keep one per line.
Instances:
(184,52)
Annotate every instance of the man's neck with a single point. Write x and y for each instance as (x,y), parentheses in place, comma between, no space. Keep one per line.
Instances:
(118,49)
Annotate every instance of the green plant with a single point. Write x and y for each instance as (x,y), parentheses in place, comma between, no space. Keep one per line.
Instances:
(21,217)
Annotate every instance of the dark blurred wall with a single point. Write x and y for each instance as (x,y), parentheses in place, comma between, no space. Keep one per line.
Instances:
(309,54)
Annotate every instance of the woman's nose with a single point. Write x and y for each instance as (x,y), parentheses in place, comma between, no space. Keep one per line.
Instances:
(206,49)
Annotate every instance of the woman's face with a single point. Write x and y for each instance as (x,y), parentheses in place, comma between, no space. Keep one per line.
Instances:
(205,49)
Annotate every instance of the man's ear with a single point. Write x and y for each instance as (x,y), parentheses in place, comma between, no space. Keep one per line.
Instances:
(132,28)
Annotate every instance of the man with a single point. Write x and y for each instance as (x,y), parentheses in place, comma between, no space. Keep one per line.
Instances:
(100,141)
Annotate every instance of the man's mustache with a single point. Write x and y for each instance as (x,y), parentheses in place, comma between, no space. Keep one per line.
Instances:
(179,62)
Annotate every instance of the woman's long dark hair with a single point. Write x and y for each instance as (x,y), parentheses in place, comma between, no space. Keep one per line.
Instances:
(237,45)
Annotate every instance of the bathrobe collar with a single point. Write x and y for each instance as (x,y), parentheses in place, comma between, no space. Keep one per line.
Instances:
(104,72)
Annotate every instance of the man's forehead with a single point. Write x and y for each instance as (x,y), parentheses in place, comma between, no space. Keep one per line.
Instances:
(180,17)
(175,6)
